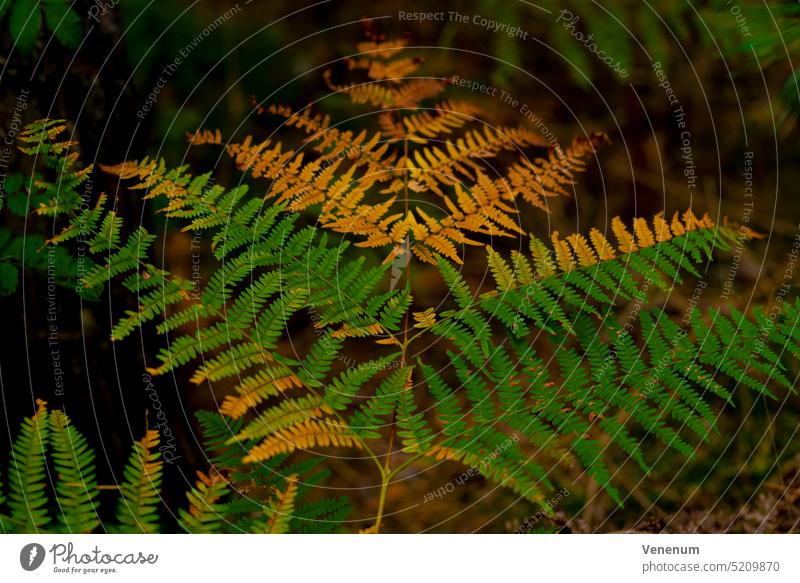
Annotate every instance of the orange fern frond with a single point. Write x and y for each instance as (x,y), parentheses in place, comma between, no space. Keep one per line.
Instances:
(380,70)
(602,246)
(501,475)
(281,509)
(564,258)
(341,167)
(411,93)
(347,331)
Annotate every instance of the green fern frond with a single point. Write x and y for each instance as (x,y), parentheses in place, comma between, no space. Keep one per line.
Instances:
(325,432)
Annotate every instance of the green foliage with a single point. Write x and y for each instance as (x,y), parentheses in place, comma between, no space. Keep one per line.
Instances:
(543,371)
(25,18)
(52,460)
(137,509)
(58,185)
(495,405)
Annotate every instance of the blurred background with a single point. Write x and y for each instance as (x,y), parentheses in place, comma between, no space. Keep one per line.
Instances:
(133,77)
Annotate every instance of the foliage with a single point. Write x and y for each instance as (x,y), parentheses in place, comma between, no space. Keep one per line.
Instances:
(26,17)
(355,178)
(51,460)
(543,369)
(58,183)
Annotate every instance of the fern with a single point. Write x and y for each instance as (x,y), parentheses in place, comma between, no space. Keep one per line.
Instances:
(355,180)
(74,463)
(281,509)
(27,495)
(573,285)
(204,515)
(60,463)
(577,274)
(224,500)
(25,20)
(137,510)
(533,372)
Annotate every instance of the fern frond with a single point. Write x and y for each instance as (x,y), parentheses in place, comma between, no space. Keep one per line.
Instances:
(550,177)
(202,137)
(380,70)
(382,48)
(473,457)
(436,165)
(281,510)
(321,516)
(580,273)
(272,380)
(375,413)
(325,432)
(204,515)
